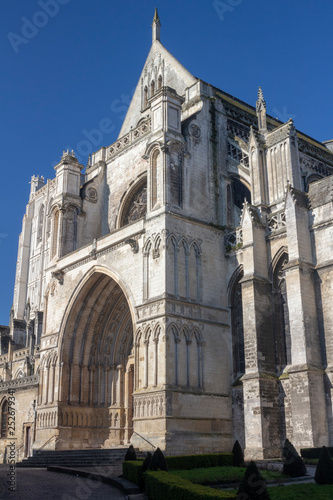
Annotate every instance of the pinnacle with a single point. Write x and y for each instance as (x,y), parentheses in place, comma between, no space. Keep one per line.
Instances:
(261,103)
(260,95)
(156,26)
(156,17)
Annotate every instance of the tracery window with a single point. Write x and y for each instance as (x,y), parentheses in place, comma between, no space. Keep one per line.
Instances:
(136,206)
(281,316)
(4,419)
(237,329)
(238,154)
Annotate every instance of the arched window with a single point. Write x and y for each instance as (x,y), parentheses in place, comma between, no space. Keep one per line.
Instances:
(152,88)
(237,329)
(4,419)
(312,178)
(159,84)
(240,191)
(281,316)
(229,206)
(175,177)
(135,206)
(156,167)
(71,230)
(55,226)
(40,224)
(145,97)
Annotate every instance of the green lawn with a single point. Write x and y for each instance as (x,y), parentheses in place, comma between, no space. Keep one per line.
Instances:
(309,491)
(310,461)
(224,474)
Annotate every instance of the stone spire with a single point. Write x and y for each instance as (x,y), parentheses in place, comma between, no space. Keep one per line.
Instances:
(156,27)
(261,112)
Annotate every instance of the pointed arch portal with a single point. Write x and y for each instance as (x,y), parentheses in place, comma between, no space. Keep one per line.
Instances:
(97,366)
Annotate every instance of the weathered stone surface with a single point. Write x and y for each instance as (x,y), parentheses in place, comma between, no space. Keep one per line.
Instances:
(152,305)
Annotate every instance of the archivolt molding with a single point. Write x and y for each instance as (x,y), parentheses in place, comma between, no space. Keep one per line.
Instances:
(152,147)
(80,286)
(236,276)
(133,189)
(276,259)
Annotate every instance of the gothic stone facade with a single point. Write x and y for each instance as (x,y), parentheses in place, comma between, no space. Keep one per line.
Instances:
(179,290)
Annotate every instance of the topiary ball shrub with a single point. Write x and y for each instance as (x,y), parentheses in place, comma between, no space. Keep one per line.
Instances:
(253,485)
(130,454)
(238,456)
(324,470)
(146,461)
(293,464)
(158,461)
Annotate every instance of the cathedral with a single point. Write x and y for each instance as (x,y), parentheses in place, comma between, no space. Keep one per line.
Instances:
(178,290)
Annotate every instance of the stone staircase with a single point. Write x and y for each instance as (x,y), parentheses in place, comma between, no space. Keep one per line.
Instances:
(77,458)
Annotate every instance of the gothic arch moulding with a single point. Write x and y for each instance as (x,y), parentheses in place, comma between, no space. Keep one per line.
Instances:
(312,178)
(241,189)
(133,205)
(80,286)
(237,331)
(281,310)
(276,259)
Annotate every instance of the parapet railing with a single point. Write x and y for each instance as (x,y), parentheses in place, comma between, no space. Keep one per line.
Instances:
(18,452)
(47,442)
(151,444)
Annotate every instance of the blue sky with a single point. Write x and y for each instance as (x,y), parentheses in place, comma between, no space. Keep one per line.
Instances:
(69,64)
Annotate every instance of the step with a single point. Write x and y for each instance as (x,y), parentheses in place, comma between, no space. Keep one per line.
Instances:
(84,458)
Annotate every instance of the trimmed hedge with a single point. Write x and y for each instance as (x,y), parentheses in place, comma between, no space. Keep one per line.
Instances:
(130,454)
(164,485)
(293,464)
(133,470)
(314,453)
(324,470)
(186,462)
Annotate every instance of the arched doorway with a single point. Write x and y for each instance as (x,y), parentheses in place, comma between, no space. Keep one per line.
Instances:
(96,367)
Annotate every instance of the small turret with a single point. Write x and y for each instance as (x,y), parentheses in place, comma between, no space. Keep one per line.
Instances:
(156,27)
(36,183)
(261,112)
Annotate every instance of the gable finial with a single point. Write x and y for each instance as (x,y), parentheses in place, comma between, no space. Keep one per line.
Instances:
(261,111)
(156,26)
